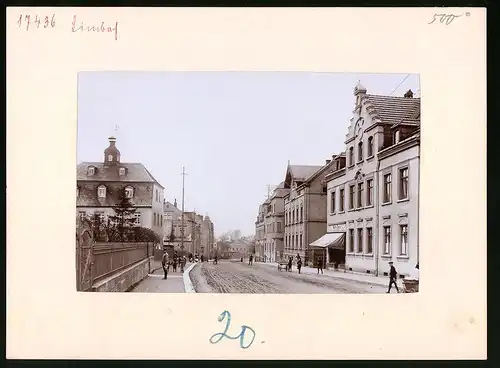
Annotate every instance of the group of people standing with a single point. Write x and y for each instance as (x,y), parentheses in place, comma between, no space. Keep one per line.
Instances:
(290,263)
(176,260)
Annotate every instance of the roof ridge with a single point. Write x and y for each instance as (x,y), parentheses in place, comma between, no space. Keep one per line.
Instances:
(396,97)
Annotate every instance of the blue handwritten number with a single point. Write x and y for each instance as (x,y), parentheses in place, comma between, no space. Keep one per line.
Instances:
(220,335)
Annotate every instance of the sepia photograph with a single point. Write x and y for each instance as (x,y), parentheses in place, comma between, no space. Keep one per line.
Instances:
(248,182)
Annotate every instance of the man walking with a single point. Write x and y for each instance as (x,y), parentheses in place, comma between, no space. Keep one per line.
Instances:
(299,262)
(320,265)
(164,263)
(250,260)
(392,277)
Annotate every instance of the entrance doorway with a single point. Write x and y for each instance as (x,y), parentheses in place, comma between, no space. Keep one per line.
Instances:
(336,255)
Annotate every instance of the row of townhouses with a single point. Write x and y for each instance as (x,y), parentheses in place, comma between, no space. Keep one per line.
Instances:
(359,210)
(100,186)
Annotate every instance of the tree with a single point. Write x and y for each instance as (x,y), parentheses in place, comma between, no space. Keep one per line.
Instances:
(171,236)
(124,218)
(143,234)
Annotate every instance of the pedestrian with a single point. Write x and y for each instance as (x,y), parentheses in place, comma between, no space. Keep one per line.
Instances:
(320,264)
(174,263)
(299,262)
(164,263)
(250,259)
(182,263)
(392,277)
(290,260)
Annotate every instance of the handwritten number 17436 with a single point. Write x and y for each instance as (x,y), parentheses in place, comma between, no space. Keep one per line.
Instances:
(36,21)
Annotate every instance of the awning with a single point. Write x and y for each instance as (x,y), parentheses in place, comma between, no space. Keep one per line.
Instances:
(331,240)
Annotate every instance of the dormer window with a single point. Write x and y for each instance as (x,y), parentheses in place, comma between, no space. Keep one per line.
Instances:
(101,191)
(118,158)
(396,137)
(77,192)
(91,171)
(129,192)
(110,158)
(121,171)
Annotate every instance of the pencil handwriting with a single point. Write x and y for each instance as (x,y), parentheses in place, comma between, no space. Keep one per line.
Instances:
(446,18)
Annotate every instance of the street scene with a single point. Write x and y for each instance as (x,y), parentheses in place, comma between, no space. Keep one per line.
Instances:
(173,193)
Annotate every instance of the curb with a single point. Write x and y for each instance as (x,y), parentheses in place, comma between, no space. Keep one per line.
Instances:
(188,285)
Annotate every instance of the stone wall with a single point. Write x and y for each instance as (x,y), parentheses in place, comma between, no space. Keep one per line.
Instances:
(125,279)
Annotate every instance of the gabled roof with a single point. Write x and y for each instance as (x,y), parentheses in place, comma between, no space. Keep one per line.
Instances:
(302,172)
(135,172)
(391,109)
(169,207)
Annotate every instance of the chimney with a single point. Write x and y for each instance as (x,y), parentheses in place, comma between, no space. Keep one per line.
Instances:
(112,141)
(175,202)
(327,162)
(408,94)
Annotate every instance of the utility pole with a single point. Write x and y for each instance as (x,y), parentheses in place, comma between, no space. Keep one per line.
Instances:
(182,215)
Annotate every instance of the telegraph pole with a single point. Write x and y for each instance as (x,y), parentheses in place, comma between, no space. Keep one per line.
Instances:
(182,216)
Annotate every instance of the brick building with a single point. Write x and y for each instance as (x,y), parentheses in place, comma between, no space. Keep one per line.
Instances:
(99,186)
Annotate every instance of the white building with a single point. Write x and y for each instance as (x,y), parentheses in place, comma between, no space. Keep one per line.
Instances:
(100,185)
(373,202)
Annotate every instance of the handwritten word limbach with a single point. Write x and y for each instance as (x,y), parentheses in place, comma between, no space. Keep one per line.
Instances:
(447,18)
(102,28)
(36,21)
(220,335)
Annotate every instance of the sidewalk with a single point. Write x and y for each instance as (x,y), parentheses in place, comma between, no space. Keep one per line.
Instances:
(349,275)
(154,282)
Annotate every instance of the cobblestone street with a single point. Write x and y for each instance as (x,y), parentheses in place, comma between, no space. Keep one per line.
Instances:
(237,277)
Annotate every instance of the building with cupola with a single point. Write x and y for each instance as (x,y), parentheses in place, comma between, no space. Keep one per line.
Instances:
(100,185)
(373,201)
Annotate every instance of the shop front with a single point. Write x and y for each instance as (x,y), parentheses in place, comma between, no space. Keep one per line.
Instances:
(330,248)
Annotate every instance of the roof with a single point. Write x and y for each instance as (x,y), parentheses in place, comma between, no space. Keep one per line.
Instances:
(136,172)
(302,172)
(169,207)
(392,109)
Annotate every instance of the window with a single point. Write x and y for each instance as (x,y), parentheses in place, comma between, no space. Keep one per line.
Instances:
(154,219)
(91,170)
(301,213)
(297,241)
(110,158)
(404,240)
(301,246)
(278,227)
(396,137)
(77,192)
(403,183)
(118,158)
(351,197)
(293,216)
(387,188)
(101,192)
(82,214)
(369,240)
(129,192)
(369,192)
(341,200)
(360,240)
(360,151)
(370,146)
(360,195)
(121,171)
(291,245)
(351,241)
(387,240)
(332,202)
(351,156)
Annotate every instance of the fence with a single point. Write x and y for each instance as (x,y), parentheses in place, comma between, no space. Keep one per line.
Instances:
(96,261)
(110,258)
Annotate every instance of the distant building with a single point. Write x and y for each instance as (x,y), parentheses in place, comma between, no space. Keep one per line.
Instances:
(100,185)
(260,234)
(373,202)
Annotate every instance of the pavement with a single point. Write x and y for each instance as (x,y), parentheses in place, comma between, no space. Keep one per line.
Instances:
(264,278)
(340,274)
(154,282)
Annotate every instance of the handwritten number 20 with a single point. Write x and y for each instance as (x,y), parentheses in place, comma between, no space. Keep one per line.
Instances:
(220,335)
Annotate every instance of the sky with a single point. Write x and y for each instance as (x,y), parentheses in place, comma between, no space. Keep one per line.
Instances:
(234,132)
